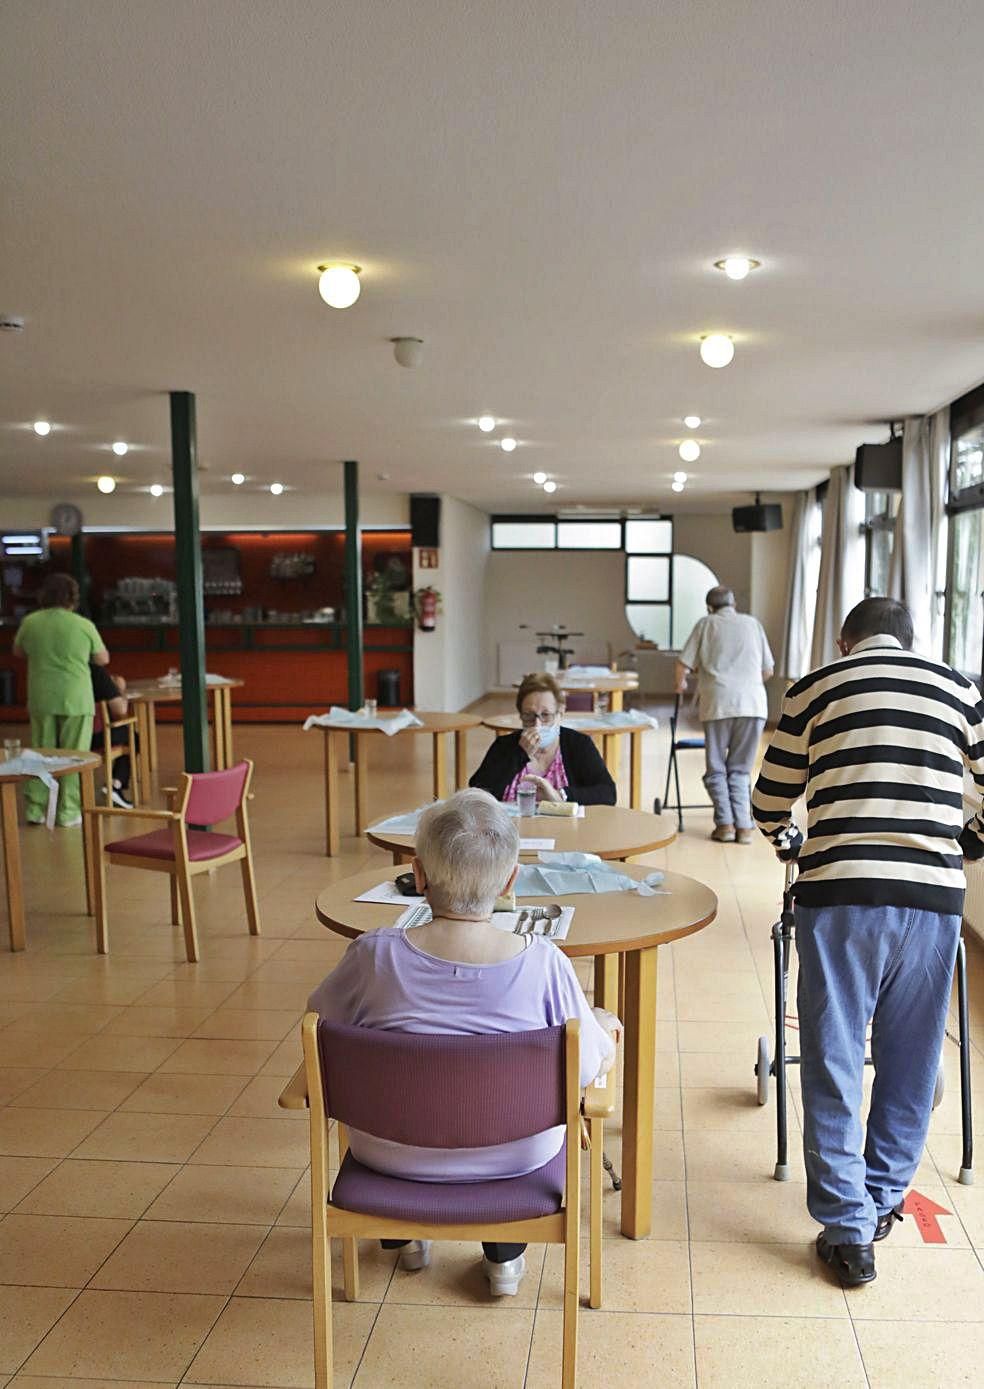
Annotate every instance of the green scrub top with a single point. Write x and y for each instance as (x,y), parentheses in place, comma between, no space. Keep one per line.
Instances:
(59,645)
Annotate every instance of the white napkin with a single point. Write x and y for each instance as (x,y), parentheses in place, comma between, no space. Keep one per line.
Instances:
(620,718)
(31,763)
(337,717)
(561,875)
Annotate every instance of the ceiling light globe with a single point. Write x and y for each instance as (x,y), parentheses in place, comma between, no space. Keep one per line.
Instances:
(539,479)
(689,451)
(736,267)
(42,427)
(120,448)
(549,485)
(486,423)
(156,490)
(692,421)
(680,477)
(507,444)
(339,285)
(677,486)
(717,350)
(238,479)
(276,488)
(106,485)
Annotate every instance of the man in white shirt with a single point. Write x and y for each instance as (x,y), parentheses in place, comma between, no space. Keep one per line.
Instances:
(730,654)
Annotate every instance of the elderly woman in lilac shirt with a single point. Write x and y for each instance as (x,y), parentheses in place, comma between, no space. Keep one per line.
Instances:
(461,974)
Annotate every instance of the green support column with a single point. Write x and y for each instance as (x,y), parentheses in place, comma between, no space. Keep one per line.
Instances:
(353,585)
(80,573)
(188,563)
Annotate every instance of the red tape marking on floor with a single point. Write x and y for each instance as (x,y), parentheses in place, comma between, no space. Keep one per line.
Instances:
(925,1213)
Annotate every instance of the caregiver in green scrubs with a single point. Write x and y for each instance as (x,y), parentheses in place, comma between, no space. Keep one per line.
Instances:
(59,645)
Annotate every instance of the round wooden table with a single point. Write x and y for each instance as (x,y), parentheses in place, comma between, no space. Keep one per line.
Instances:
(614,685)
(435,723)
(144,695)
(608,928)
(84,765)
(609,831)
(594,728)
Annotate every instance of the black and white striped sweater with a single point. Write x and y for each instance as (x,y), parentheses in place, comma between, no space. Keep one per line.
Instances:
(878,742)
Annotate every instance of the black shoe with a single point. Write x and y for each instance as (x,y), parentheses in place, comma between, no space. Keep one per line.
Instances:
(885,1222)
(854,1264)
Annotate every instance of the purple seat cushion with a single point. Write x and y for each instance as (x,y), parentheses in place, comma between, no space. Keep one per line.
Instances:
(202,844)
(359,1188)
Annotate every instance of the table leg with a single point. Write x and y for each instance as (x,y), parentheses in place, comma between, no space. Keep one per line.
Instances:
(227,713)
(440,767)
(218,730)
(12,865)
(637,1092)
(331,793)
(152,734)
(635,770)
(460,759)
(144,709)
(615,702)
(606,982)
(88,856)
(361,787)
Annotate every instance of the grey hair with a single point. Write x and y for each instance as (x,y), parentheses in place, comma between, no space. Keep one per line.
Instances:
(719,597)
(468,846)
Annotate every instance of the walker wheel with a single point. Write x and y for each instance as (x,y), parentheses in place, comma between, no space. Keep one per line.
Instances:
(762,1066)
(939,1087)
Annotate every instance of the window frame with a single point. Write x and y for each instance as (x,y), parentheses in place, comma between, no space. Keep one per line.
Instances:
(524,519)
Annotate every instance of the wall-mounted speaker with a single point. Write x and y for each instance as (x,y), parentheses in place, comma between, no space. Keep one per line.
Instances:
(763,516)
(425,520)
(878,467)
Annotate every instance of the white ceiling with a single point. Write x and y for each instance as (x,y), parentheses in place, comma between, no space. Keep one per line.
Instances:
(537,189)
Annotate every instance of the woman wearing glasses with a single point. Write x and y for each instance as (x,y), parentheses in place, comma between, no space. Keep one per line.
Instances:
(563,765)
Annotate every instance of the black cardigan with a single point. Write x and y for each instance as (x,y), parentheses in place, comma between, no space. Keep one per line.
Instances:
(589,781)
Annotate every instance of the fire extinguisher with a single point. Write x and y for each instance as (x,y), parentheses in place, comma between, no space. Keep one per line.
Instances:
(428,604)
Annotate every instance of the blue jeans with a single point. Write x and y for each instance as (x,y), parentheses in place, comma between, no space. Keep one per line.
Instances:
(731,746)
(892,966)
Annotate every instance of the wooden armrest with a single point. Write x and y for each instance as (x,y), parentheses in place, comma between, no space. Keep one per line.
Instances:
(123,723)
(599,1096)
(294,1095)
(137,814)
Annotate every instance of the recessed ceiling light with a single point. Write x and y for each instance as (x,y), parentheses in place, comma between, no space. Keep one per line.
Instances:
(507,444)
(677,486)
(679,477)
(549,485)
(539,479)
(276,488)
(486,423)
(717,349)
(692,421)
(156,490)
(737,267)
(339,285)
(238,479)
(106,484)
(42,427)
(120,448)
(689,450)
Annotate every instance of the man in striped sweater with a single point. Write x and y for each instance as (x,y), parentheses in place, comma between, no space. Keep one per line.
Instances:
(878,742)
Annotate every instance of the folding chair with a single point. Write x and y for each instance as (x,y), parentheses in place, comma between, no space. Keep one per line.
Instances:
(688,744)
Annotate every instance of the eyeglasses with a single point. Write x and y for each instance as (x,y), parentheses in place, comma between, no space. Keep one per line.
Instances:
(531,720)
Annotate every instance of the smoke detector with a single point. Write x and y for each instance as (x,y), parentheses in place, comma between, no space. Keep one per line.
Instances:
(11,323)
(408,351)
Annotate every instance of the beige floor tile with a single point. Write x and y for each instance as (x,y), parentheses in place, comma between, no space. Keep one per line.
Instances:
(777,1353)
(966,1201)
(109,1053)
(19,1175)
(207,1056)
(734,1039)
(37,1049)
(715,1070)
(227,1195)
(61,1089)
(63,1382)
(82,1020)
(259,1100)
(113,1335)
(165,1256)
(166,1093)
(26,1315)
(150,1020)
(907,1233)
(738,1111)
(249,1023)
(55,1251)
(743,1156)
(941,1355)
(763,1280)
(669,1210)
(438,1342)
(256,1142)
(616,1347)
(186,993)
(146,1137)
(287,1057)
(749,1212)
(297,1211)
(45,1132)
(262,1341)
(455,1279)
(120,1190)
(928,1284)
(282,1268)
(14,1080)
(650,1276)
(259,993)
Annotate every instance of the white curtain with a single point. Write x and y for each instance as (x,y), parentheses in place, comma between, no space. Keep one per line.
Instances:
(917,576)
(804,565)
(841,584)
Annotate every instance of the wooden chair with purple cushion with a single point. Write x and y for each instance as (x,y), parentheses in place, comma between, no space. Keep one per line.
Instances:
(458,1091)
(201,798)
(103,725)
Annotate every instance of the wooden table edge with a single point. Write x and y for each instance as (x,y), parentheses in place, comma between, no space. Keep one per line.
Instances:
(392,846)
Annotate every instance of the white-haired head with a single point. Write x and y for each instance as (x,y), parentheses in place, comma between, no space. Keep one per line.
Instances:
(467,847)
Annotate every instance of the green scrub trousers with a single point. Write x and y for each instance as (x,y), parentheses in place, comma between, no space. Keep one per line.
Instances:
(69,731)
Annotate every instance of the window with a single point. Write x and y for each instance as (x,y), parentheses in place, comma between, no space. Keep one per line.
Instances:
(589,535)
(647,579)
(692,581)
(523,533)
(967,463)
(649,537)
(965,622)
(880,512)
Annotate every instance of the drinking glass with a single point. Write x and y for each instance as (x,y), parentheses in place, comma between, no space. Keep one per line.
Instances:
(526,797)
(370,707)
(11,748)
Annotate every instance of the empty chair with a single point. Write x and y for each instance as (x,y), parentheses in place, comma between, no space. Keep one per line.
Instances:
(181,849)
(693,742)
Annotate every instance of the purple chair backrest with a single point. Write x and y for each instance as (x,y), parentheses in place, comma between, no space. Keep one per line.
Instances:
(579,702)
(443,1091)
(216,795)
